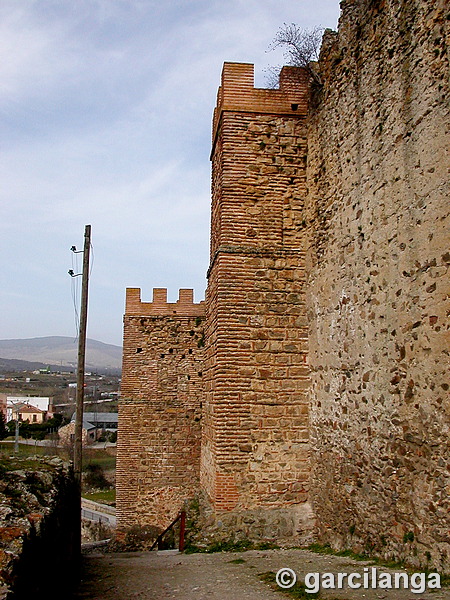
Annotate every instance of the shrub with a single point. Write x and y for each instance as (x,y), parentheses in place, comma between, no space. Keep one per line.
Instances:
(95,477)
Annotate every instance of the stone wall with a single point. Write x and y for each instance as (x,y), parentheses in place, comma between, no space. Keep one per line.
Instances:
(158,447)
(39,520)
(378,282)
(255,458)
(325,361)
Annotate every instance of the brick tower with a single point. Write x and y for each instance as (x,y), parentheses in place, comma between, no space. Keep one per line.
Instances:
(255,453)
(158,450)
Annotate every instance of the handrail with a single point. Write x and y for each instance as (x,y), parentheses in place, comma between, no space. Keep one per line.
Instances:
(181,517)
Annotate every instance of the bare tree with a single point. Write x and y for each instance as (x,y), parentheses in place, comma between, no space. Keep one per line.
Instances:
(301,49)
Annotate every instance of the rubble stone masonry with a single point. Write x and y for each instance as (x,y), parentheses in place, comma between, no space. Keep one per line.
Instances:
(325,408)
(378,205)
(158,449)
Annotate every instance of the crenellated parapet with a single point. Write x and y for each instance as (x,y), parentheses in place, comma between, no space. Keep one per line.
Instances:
(237,92)
(255,446)
(158,449)
(184,306)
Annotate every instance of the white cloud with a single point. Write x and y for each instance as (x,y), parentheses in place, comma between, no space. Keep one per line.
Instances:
(106,110)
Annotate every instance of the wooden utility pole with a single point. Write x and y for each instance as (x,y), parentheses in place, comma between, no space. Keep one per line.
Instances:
(16,436)
(78,438)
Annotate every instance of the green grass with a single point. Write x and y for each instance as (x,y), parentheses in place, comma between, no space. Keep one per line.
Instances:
(237,561)
(298,590)
(19,463)
(318,549)
(97,456)
(389,564)
(224,546)
(7,449)
(103,496)
(230,546)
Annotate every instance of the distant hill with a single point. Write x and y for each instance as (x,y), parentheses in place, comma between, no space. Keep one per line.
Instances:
(8,365)
(62,352)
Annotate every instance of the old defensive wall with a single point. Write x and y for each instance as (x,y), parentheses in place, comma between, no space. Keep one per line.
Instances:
(307,397)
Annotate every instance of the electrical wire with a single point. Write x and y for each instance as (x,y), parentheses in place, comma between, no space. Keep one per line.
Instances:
(75,293)
(92,259)
(75,286)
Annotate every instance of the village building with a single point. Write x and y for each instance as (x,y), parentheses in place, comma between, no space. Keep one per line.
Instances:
(38,408)
(95,425)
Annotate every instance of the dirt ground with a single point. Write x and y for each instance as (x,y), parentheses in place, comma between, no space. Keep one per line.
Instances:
(222,576)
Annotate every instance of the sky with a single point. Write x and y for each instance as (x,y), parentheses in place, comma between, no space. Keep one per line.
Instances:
(105,119)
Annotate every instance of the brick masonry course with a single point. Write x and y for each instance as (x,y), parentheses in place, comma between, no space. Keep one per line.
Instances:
(324,389)
(158,449)
(255,450)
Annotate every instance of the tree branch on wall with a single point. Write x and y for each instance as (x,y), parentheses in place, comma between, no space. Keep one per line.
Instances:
(301,49)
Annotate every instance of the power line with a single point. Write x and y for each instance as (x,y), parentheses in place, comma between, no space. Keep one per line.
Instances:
(75,289)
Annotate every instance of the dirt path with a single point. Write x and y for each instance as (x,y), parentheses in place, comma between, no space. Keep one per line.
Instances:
(221,576)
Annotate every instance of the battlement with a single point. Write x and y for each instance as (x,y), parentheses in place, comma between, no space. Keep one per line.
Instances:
(237,92)
(184,306)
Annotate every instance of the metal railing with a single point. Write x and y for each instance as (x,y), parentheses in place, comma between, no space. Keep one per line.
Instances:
(182,518)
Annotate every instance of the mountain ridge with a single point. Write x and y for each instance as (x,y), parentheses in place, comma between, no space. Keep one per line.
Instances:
(61,350)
